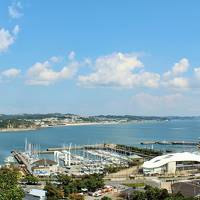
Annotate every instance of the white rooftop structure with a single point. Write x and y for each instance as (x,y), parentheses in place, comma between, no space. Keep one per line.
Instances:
(41,194)
(168,163)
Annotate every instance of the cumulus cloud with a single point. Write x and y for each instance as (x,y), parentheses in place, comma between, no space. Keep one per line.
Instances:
(11,73)
(7,38)
(173,78)
(179,82)
(178,68)
(15,10)
(122,70)
(176,83)
(119,70)
(42,73)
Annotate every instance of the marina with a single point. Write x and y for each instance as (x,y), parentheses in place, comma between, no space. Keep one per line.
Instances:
(145,161)
(129,134)
(80,161)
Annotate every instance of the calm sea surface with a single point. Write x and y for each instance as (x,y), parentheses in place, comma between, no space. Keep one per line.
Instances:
(131,134)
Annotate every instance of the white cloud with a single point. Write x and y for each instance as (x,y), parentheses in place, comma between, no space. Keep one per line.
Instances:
(173,78)
(11,73)
(43,73)
(114,70)
(7,38)
(178,68)
(15,10)
(177,83)
(119,70)
(147,79)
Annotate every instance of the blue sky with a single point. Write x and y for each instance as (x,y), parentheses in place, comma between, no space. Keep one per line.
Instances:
(100,57)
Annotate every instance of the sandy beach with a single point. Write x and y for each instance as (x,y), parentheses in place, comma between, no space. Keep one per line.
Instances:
(55,126)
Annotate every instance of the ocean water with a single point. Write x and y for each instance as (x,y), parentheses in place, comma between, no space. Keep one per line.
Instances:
(131,134)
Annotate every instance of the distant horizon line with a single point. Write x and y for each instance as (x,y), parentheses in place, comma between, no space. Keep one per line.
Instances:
(132,115)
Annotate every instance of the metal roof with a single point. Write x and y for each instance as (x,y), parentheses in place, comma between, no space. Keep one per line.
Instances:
(173,157)
(44,162)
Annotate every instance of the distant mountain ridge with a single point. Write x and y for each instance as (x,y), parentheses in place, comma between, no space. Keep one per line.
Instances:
(61,115)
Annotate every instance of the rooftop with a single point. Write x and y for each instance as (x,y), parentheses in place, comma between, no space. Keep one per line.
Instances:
(173,157)
(44,162)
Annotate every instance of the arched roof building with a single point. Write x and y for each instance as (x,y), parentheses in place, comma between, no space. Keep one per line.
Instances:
(169,163)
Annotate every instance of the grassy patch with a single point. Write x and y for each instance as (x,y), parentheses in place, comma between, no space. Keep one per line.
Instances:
(135,185)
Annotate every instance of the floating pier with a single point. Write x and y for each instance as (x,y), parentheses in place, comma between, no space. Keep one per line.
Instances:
(64,148)
(170,143)
(109,147)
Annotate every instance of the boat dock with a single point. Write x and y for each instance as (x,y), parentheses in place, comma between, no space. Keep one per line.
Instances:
(51,150)
(108,147)
(64,148)
(170,143)
(22,161)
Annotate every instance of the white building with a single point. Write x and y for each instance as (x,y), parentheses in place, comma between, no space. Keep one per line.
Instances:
(170,163)
(36,194)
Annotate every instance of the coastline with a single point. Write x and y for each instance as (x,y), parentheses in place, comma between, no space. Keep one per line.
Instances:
(87,124)
(13,130)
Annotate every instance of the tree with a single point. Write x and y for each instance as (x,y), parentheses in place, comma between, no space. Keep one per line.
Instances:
(53,192)
(151,193)
(70,188)
(9,188)
(31,180)
(163,194)
(64,179)
(93,182)
(106,198)
(138,195)
(71,185)
(75,196)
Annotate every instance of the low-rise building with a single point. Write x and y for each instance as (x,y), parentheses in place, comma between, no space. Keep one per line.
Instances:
(44,167)
(35,194)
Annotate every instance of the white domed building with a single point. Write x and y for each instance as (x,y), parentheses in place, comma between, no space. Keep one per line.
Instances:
(171,163)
